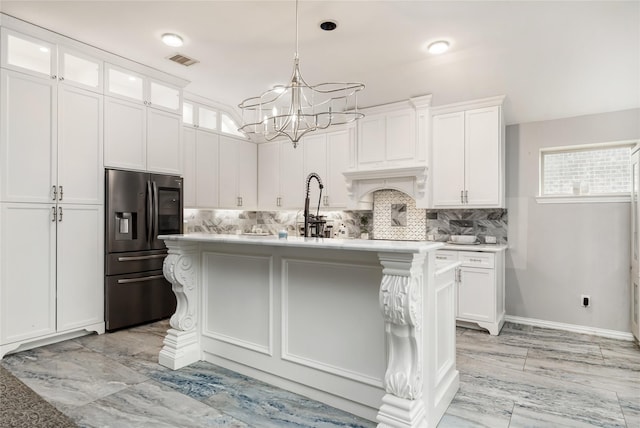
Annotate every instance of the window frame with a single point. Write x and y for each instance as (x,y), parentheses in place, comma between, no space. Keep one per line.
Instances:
(591,198)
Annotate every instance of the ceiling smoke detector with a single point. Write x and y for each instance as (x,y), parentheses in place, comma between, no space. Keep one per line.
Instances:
(182,60)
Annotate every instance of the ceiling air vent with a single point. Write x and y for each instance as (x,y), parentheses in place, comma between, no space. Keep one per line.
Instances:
(184,60)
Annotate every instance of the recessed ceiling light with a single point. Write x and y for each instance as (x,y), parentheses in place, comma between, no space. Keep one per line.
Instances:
(328,25)
(172,40)
(436,48)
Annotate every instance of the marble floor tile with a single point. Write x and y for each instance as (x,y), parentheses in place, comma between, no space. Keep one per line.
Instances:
(630,405)
(529,418)
(481,346)
(583,371)
(151,405)
(199,380)
(267,406)
(548,339)
(525,377)
(543,393)
(67,374)
(473,407)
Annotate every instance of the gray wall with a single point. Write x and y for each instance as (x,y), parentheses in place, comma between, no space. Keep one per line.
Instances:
(560,251)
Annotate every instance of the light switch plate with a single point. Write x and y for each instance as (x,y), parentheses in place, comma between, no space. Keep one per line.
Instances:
(490,239)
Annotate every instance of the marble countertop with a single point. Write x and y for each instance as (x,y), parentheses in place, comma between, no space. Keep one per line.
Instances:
(319,243)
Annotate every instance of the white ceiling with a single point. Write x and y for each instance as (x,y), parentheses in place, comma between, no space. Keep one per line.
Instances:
(551,59)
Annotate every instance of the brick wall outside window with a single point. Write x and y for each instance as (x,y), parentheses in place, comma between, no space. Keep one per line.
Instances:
(603,170)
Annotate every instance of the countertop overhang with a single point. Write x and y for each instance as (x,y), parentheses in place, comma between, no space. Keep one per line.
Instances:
(311,243)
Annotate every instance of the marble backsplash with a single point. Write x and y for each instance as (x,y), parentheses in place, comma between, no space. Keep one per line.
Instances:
(236,221)
(394,216)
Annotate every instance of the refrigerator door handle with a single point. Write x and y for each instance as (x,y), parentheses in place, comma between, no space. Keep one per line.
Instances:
(144,278)
(138,258)
(149,211)
(156,209)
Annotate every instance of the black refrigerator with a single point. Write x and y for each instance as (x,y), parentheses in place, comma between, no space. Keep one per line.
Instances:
(139,207)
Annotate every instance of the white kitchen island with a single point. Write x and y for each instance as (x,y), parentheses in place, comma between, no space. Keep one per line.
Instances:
(365,326)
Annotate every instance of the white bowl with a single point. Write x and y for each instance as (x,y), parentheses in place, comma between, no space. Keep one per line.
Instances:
(463,239)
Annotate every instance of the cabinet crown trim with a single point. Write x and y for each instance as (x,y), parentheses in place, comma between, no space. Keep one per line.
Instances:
(468,105)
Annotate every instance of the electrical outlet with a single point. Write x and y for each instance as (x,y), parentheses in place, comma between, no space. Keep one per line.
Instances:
(585,301)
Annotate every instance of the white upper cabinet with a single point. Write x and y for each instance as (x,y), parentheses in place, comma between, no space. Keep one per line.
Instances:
(28,138)
(327,154)
(282,171)
(79,159)
(269,175)
(393,135)
(28,55)
(200,168)
(134,86)
(314,147)
(52,151)
(280,176)
(142,123)
(238,166)
(79,69)
(40,58)
(468,155)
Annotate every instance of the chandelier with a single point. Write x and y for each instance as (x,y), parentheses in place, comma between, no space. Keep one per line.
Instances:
(297,108)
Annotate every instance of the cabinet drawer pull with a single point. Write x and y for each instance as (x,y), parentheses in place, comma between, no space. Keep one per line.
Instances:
(54,215)
(466,196)
(462,196)
(59,214)
(54,193)
(60,193)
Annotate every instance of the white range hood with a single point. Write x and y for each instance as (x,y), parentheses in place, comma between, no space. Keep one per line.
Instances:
(410,180)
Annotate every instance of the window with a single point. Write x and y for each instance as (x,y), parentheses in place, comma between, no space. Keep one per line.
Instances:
(586,173)
(209,117)
(229,126)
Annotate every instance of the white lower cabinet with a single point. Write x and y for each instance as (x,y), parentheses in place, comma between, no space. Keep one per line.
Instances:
(51,272)
(480,279)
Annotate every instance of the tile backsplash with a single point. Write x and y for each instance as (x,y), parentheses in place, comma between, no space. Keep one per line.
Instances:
(384,224)
(422,223)
(394,217)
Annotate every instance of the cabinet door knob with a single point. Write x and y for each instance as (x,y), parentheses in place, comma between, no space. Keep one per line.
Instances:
(61,78)
(54,77)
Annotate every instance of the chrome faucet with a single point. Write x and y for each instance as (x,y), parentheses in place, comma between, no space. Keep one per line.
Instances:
(306,202)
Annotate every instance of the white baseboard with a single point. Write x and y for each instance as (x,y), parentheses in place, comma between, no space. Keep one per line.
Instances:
(611,334)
